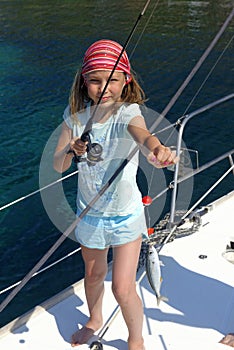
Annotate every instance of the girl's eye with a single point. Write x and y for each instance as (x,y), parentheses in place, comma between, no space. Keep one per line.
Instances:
(94,81)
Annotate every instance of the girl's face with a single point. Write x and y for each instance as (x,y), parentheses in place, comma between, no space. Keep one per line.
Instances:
(96,81)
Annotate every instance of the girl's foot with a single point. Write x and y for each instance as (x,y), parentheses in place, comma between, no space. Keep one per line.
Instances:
(228,340)
(82,336)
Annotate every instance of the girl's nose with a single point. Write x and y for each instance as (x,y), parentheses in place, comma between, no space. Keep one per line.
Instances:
(102,86)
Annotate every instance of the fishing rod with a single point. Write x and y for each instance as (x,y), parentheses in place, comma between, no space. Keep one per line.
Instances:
(68,231)
(94,151)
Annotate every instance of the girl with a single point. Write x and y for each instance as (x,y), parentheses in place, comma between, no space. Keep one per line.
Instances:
(117,218)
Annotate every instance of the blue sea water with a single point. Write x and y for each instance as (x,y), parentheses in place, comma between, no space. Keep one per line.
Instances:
(42,44)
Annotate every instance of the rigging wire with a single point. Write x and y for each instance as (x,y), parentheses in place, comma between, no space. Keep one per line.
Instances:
(208,75)
(67,232)
(198,65)
(195,68)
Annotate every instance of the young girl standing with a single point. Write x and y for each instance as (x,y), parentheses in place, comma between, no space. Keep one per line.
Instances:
(117,219)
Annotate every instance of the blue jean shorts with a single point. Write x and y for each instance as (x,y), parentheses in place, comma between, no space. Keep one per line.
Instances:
(100,232)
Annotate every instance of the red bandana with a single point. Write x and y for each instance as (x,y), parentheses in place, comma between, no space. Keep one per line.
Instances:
(102,55)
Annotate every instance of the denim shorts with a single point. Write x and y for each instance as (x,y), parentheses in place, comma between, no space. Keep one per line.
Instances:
(100,232)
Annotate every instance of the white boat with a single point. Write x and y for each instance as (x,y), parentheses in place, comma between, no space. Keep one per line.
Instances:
(197,255)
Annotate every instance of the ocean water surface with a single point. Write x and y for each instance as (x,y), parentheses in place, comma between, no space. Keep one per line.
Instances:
(42,45)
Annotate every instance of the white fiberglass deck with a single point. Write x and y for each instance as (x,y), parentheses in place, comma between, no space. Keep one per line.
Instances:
(200,307)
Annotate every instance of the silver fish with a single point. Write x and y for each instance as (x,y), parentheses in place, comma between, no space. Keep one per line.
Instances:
(153,272)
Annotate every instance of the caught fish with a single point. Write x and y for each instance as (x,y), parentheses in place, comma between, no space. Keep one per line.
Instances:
(153,272)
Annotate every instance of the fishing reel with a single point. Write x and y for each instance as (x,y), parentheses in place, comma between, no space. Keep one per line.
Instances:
(94,151)
(96,345)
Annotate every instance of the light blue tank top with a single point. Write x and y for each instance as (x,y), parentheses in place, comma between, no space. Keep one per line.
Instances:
(123,196)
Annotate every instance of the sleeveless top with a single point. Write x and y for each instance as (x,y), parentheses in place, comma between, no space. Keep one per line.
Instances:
(123,196)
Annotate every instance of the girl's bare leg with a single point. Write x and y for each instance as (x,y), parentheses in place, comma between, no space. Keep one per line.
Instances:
(125,261)
(95,271)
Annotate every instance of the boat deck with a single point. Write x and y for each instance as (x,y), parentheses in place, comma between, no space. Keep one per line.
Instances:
(197,280)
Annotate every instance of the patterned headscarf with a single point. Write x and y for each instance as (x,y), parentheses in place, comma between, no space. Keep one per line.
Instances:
(102,55)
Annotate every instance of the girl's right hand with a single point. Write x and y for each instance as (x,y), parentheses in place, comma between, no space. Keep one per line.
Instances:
(78,146)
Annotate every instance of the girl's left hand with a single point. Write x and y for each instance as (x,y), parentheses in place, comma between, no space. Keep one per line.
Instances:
(162,157)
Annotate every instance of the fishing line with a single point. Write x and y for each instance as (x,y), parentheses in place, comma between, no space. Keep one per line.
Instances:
(143,30)
(117,172)
(147,213)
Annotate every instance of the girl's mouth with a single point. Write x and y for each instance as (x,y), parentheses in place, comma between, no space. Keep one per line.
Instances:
(105,98)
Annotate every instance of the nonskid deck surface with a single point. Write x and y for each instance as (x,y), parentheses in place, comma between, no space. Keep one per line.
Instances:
(197,280)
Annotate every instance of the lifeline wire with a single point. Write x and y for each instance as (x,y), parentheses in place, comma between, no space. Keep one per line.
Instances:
(39,190)
(121,167)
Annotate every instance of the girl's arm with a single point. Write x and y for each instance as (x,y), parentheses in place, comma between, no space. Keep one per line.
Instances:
(156,153)
(63,159)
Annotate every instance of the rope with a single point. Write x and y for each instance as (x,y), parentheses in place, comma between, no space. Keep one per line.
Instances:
(124,163)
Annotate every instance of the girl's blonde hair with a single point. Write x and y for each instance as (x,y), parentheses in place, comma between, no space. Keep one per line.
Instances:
(132,93)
